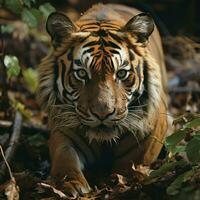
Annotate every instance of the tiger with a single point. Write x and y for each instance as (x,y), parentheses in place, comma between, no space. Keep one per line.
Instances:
(104,87)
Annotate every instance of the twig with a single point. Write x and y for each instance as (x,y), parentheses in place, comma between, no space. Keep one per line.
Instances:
(52,189)
(11,188)
(26,128)
(14,140)
(5,124)
(6,162)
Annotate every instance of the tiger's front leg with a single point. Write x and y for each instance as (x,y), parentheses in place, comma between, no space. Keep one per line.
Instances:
(66,165)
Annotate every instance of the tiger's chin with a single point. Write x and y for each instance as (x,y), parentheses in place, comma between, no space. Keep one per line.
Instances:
(103,133)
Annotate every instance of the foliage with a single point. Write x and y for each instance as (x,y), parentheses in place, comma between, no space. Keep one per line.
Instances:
(176,143)
(32,15)
(183,159)
(22,109)
(12,65)
(46,9)
(31,79)
(28,11)
(7,28)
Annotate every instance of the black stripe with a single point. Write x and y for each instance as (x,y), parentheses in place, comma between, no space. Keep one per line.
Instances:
(112,65)
(138,70)
(88,24)
(143,98)
(55,77)
(64,93)
(102,33)
(88,50)
(89,27)
(93,43)
(110,27)
(63,72)
(146,78)
(114,45)
(131,55)
(94,60)
(82,113)
(109,44)
(115,37)
(114,51)
(75,99)
(67,92)
(81,40)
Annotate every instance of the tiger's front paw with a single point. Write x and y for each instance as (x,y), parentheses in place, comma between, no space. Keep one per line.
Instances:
(76,187)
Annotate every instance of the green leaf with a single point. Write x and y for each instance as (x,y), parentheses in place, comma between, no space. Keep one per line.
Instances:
(176,185)
(197,136)
(166,167)
(28,2)
(172,140)
(46,9)
(178,149)
(31,17)
(193,124)
(22,109)
(31,79)
(12,65)
(193,149)
(13,5)
(7,28)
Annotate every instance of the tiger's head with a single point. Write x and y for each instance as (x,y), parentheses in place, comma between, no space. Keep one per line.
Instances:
(98,74)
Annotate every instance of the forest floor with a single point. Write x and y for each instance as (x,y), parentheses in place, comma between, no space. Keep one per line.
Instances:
(24,133)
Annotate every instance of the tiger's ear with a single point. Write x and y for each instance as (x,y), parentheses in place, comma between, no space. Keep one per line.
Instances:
(59,26)
(141,26)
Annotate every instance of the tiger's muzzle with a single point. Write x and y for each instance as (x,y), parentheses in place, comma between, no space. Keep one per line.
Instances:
(103,126)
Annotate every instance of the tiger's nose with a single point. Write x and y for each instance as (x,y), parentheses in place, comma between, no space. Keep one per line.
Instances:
(102,115)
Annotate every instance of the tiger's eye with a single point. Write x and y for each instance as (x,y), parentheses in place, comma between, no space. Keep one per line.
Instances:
(81,73)
(121,74)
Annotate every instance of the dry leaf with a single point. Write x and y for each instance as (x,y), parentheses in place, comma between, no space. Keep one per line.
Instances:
(145,170)
(12,190)
(121,179)
(54,190)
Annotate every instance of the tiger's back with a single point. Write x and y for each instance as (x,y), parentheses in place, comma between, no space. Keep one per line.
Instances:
(104,88)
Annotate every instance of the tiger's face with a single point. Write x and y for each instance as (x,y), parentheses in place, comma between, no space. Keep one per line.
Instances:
(100,75)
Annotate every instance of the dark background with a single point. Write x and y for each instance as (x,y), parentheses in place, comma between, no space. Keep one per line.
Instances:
(173,16)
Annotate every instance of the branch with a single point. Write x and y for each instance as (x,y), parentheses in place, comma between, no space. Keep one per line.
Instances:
(6,163)
(26,128)
(11,188)
(14,141)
